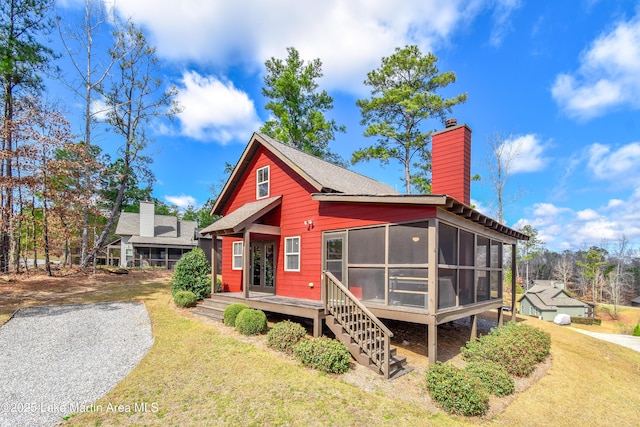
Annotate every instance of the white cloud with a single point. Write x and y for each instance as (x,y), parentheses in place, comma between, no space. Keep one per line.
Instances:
(564,228)
(181,201)
(214,109)
(524,154)
(620,165)
(350,37)
(587,215)
(501,17)
(607,77)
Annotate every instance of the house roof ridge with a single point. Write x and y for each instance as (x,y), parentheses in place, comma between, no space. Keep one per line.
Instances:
(272,140)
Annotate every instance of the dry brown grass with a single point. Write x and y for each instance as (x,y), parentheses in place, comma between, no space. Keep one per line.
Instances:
(201,373)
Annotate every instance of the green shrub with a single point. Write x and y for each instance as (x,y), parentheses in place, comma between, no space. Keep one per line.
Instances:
(517,347)
(251,322)
(636,331)
(285,335)
(456,391)
(185,299)
(495,378)
(323,354)
(231,312)
(192,273)
(585,320)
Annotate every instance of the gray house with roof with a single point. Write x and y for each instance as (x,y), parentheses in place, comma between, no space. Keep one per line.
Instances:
(545,299)
(149,240)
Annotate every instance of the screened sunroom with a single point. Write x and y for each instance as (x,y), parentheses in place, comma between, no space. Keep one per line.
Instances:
(391,265)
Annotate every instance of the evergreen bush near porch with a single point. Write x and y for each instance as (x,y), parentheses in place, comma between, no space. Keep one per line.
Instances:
(185,299)
(323,354)
(285,335)
(517,347)
(231,312)
(251,322)
(456,390)
(192,273)
(495,378)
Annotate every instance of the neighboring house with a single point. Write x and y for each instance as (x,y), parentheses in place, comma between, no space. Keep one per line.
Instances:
(546,299)
(149,240)
(635,302)
(305,237)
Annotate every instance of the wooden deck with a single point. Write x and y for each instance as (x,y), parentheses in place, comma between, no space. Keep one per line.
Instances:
(300,307)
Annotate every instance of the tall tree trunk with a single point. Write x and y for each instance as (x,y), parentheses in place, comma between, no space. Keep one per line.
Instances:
(45,232)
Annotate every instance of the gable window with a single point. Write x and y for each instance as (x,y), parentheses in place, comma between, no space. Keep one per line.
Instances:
(292,254)
(262,183)
(237,256)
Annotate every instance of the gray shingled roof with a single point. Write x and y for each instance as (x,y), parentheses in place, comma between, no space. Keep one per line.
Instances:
(550,298)
(325,177)
(168,230)
(331,177)
(235,220)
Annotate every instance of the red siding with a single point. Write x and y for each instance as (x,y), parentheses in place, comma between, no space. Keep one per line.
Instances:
(451,163)
(296,208)
(231,279)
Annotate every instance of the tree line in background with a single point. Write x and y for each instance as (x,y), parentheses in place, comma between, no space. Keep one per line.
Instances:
(605,274)
(60,191)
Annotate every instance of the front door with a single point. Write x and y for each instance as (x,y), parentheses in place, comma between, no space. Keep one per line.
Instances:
(263,266)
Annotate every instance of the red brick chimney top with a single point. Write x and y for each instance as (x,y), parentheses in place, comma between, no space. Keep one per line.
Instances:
(451,161)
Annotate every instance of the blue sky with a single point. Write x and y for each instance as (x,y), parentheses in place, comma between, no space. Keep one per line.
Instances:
(559,80)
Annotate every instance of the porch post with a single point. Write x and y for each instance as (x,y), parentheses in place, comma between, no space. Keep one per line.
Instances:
(246,263)
(214,256)
(432,339)
(473,320)
(513,281)
(500,316)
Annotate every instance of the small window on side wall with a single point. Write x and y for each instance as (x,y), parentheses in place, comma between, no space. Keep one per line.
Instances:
(262,183)
(292,254)
(237,256)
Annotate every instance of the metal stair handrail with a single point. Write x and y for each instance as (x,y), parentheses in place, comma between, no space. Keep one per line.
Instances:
(364,328)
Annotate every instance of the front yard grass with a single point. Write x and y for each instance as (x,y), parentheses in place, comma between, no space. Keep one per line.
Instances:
(196,375)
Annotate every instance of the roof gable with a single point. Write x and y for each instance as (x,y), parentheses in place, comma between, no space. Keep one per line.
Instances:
(549,298)
(167,229)
(323,176)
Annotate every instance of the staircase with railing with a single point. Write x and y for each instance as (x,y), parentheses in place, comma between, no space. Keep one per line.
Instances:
(366,337)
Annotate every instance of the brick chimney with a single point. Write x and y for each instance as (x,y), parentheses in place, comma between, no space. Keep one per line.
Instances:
(451,161)
(147,219)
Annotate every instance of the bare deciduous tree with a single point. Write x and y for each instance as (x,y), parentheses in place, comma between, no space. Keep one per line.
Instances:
(135,97)
(500,163)
(92,69)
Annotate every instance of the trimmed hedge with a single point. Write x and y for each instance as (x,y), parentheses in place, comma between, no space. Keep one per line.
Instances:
(456,390)
(517,347)
(192,273)
(636,331)
(231,312)
(185,299)
(323,354)
(285,335)
(586,320)
(251,322)
(494,378)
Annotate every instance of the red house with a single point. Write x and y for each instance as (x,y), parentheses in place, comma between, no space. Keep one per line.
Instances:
(307,238)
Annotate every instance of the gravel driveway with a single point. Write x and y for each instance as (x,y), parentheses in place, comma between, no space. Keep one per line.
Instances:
(58,360)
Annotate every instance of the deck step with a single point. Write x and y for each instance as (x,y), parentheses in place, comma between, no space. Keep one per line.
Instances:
(212,308)
(397,364)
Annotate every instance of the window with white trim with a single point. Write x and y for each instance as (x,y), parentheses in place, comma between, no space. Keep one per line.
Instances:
(262,183)
(292,254)
(237,256)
